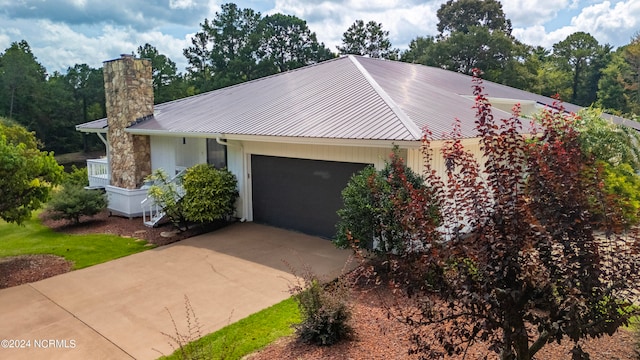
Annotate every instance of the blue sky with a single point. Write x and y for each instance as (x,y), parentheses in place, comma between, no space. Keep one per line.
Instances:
(63,33)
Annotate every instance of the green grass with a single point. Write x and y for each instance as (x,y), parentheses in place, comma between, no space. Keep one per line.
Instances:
(249,334)
(82,250)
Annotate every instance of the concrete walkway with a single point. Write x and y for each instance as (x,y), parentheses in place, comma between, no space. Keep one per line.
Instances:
(119,310)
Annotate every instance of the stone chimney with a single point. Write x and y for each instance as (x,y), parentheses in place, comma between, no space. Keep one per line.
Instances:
(128,88)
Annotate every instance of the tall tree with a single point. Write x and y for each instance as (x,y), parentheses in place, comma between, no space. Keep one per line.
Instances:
(88,89)
(367,39)
(476,48)
(421,51)
(581,55)
(613,86)
(21,79)
(286,42)
(631,54)
(462,15)
(200,68)
(166,80)
(475,34)
(233,32)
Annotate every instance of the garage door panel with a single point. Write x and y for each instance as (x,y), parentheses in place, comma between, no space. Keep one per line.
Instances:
(299,194)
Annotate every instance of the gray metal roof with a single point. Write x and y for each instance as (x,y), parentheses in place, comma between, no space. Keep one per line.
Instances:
(345,98)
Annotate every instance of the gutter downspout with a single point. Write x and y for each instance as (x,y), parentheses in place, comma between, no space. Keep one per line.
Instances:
(245,199)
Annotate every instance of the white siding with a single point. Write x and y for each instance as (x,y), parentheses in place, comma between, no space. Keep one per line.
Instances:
(163,154)
(415,159)
(190,151)
(355,154)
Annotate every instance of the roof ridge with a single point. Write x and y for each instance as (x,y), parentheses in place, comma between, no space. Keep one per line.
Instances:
(411,126)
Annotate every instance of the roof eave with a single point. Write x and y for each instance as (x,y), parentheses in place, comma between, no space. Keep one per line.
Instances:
(283,139)
(92,130)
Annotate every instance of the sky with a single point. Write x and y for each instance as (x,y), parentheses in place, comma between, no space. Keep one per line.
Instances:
(63,33)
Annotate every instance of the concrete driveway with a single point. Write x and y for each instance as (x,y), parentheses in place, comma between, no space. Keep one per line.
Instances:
(119,310)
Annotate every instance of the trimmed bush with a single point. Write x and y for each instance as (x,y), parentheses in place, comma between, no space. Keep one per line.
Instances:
(210,193)
(376,213)
(73,201)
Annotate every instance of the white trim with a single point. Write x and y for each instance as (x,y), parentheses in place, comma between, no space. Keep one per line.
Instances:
(281,139)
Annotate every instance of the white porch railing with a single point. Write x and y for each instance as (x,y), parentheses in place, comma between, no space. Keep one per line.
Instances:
(152,212)
(98,171)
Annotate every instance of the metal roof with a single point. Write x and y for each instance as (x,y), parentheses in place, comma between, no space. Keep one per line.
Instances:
(349,97)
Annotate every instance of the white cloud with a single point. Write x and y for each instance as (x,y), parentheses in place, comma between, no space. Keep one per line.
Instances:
(607,23)
(537,35)
(181,4)
(330,19)
(527,13)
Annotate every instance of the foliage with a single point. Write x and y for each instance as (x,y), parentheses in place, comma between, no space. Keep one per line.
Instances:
(210,193)
(462,15)
(616,149)
(167,83)
(167,193)
(522,264)
(249,334)
(27,174)
(77,176)
(82,250)
(421,51)
(623,183)
(324,310)
(286,43)
(581,55)
(376,212)
(240,45)
(73,201)
(20,76)
(476,48)
(367,39)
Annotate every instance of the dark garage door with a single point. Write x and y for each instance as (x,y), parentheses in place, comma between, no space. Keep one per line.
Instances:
(299,194)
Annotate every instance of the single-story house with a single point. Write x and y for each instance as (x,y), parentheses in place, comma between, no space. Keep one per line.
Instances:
(292,139)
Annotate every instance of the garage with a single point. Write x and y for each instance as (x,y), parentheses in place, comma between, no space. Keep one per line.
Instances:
(299,194)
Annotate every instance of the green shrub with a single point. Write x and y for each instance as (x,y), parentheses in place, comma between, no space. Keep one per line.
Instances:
(358,215)
(324,312)
(376,208)
(624,183)
(210,193)
(73,201)
(77,176)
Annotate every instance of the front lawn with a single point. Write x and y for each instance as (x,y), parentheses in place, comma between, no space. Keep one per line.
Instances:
(82,250)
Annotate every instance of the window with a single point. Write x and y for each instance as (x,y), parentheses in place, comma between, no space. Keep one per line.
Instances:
(216,154)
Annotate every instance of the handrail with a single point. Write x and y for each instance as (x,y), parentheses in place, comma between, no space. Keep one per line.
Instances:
(155,211)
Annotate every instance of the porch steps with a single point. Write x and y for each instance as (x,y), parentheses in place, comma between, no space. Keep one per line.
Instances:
(152,213)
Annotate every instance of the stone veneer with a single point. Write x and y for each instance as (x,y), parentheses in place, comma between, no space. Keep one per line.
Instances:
(129,97)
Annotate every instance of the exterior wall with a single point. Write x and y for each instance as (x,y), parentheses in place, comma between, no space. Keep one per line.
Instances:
(190,151)
(355,154)
(415,159)
(129,97)
(163,154)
